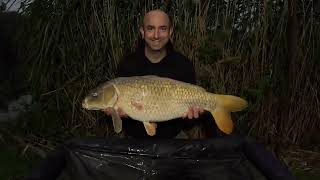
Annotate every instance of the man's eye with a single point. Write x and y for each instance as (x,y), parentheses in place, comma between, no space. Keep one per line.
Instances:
(94,94)
(163,28)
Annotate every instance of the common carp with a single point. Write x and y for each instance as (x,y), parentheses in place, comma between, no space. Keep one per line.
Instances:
(152,99)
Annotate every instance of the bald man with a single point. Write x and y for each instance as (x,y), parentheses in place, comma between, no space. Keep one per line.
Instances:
(156,56)
(156,30)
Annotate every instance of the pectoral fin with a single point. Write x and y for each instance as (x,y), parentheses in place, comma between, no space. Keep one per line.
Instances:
(150,128)
(223,120)
(117,122)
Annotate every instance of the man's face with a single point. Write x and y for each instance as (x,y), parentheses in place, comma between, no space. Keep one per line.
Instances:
(156,30)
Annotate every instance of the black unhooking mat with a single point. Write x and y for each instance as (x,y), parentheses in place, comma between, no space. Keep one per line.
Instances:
(223,158)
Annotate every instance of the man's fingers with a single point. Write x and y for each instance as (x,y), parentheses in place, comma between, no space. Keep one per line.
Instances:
(107,111)
(196,113)
(185,115)
(193,112)
(122,113)
(190,113)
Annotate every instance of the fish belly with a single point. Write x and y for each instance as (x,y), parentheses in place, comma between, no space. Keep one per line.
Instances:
(159,114)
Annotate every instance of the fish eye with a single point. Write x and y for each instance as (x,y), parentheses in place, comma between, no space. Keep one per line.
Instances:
(94,94)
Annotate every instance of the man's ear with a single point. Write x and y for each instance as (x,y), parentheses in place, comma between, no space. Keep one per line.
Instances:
(141,31)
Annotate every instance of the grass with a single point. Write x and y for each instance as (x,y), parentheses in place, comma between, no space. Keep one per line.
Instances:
(13,163)
(305,175)
(71,46)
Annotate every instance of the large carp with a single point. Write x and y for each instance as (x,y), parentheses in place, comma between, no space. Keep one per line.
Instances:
(151,99)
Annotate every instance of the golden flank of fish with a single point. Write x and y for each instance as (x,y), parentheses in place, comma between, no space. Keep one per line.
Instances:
(152,99)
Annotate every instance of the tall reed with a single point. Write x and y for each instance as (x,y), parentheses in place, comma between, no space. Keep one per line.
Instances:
(237,48)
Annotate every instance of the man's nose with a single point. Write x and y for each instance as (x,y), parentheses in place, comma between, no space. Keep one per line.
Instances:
(156,34)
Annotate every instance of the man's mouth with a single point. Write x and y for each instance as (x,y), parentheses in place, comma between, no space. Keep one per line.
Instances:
(156,42)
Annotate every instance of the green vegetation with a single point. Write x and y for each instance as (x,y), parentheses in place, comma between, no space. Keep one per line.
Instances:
(267,53)
(251,50)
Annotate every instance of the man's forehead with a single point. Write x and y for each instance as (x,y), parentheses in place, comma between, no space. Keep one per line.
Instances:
(156,17)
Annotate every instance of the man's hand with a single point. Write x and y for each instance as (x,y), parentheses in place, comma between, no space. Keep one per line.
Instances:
(120,112)
(193,112)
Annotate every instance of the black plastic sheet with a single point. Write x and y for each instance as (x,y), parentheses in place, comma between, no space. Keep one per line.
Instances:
(225,158)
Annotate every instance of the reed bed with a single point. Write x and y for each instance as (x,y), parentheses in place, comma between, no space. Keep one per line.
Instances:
(246,48)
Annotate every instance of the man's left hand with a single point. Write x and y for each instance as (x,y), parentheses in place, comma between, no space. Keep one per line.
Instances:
(193,112)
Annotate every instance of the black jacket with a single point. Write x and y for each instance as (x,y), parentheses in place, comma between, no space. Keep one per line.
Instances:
(175,66)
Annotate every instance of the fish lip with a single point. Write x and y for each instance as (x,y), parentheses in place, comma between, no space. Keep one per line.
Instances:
(84,104)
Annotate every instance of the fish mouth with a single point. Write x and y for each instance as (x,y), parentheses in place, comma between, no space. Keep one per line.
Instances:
(84,104)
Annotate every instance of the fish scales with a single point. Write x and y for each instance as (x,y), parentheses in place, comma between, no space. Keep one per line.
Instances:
(161,100)
(153,99)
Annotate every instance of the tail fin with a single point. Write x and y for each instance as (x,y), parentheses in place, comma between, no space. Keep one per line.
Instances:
(224,105)
(230,103)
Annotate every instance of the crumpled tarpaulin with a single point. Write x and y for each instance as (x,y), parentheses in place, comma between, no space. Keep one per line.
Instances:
(223,158)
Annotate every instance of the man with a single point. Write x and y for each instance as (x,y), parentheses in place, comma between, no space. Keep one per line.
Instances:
(156,56)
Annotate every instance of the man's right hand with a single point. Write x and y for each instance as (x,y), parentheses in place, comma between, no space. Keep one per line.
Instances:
(108,111)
